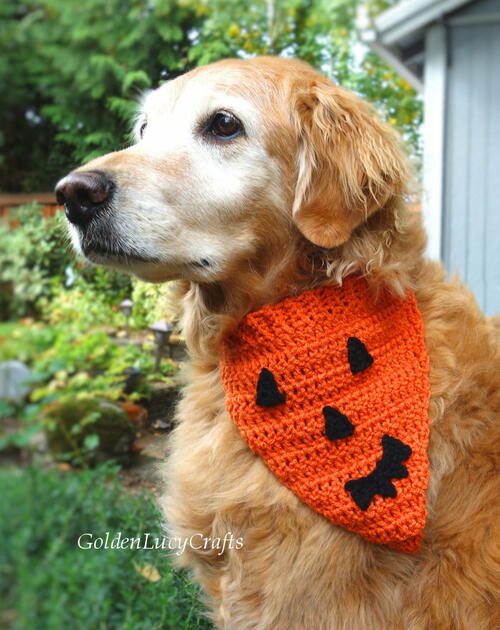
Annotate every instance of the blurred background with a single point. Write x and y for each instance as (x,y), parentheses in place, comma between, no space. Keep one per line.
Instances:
(89,358)
(71,72)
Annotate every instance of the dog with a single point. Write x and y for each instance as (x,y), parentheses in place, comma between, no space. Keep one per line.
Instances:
(252,181)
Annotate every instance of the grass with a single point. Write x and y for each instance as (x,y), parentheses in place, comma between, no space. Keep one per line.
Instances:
(47,582)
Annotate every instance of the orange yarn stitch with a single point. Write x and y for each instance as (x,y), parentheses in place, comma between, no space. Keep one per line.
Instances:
(324,411)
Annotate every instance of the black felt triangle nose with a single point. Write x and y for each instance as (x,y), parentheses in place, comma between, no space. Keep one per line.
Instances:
(359,357)
(268,393)
(337,426)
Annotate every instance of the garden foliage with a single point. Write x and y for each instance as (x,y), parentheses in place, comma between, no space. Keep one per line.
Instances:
(68,311)
(47,582)
(67,364)
(71,73)
(37,264)
(33,257)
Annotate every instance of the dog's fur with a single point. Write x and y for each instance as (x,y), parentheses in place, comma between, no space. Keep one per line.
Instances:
(314,191)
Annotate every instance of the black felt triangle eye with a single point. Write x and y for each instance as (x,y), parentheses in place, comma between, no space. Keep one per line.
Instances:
(359,357)
(268,393)
(337,426)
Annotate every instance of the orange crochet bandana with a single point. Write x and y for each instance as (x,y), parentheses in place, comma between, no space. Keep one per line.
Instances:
(331,389)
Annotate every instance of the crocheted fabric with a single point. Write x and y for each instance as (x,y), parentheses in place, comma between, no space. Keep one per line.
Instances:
(331,389)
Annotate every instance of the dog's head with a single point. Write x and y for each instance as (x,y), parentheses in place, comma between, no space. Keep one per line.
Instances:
(231,160)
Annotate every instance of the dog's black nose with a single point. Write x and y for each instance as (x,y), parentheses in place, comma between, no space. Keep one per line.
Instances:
(82,194)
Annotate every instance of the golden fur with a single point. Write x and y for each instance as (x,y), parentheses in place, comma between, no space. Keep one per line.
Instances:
(297,571)
(343,181)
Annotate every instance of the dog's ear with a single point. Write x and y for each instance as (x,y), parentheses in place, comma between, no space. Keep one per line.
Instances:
(350,163)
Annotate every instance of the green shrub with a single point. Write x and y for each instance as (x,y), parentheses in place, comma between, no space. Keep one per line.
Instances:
(76,363)
(68,364)
(33,257)
(93,301)
(82,306)
(87,431)
(39,272)
(25,342)
(71,72)
(153,302)
(47,582)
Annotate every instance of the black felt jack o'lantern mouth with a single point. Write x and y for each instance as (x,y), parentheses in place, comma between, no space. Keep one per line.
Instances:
(338,426)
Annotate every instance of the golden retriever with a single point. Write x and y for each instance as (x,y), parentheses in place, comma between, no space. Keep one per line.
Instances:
(253,180)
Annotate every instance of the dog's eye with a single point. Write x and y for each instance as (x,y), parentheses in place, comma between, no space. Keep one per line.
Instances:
(142,129)
(225,126)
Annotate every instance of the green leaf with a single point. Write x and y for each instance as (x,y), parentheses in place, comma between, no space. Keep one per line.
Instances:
(91,442)
(90,418)
(136,78)
(6,409)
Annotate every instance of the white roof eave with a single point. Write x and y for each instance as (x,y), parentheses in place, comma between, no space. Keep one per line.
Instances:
(392,58)
(410,16)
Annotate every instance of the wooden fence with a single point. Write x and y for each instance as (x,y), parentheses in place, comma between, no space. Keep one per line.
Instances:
(9,201)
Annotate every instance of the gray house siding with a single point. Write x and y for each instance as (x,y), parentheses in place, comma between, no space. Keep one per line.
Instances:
(471,212)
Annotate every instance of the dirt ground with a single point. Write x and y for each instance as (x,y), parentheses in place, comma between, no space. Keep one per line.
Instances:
(144,473)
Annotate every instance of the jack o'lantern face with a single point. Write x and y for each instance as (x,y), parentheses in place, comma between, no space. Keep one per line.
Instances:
(330,388)
(338,427)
